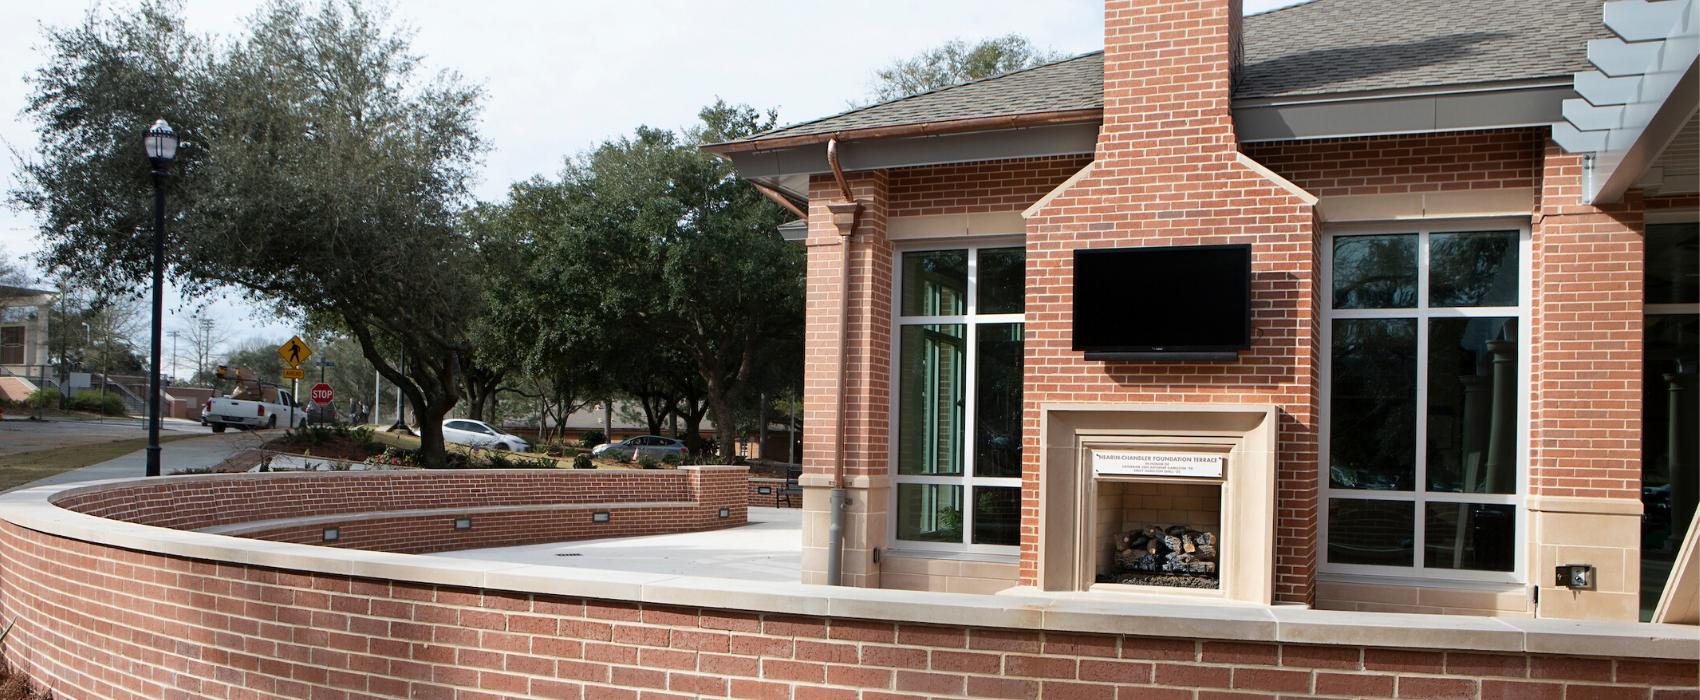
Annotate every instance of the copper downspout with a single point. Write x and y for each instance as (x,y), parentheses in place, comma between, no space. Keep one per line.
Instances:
(779,199)
(840,497)
(837,172)
(848,234)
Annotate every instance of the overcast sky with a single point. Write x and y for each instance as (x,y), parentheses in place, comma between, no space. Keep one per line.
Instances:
(563,76)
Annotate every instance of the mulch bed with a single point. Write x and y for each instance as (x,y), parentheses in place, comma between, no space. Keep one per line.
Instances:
(336,447)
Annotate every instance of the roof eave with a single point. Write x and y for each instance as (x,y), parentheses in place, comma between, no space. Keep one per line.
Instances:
(931,128)
(1423,109)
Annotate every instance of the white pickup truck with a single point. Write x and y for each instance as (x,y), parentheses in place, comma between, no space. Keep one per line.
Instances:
(222,412)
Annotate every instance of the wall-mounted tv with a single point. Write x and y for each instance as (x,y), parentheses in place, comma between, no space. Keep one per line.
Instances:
(1163,303)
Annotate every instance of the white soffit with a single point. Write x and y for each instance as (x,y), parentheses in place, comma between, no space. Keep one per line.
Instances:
(1640,98)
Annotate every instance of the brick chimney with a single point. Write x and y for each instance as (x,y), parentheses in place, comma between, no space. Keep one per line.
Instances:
(1168,69)
(1168,172)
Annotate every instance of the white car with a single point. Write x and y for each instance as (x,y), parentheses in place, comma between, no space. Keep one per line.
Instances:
(475,433)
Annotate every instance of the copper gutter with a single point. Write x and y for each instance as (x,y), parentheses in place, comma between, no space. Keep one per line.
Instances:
(779,199)
(933,128)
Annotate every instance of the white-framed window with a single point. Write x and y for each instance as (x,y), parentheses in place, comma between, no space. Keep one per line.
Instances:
(1425,396)
(1670,405)
(11,345)
(957,397)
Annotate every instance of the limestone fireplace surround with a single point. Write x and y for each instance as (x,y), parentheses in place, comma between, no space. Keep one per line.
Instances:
(1072,538)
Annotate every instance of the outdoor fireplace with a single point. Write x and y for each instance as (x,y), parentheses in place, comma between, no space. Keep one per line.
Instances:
(1156,534)
(1171,500)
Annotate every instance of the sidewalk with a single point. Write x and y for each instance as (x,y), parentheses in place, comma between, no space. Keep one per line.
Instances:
(19,434)
(181,454)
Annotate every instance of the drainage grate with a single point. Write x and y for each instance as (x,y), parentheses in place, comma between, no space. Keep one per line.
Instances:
(569,554)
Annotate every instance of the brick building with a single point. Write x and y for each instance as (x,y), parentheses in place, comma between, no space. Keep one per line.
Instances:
(1471,312)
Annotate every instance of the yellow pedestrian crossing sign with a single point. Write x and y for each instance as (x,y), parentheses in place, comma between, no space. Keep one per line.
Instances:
(294,352)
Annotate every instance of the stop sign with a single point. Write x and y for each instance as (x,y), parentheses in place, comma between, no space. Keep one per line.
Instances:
(322,393)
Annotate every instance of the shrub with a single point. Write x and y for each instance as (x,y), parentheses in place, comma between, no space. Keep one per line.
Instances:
(648,462)
(591,438)
(496,459)
(394,457)
(582,461)
(455,460)
(95,401)
(363,436)
(312,434)
(46,398)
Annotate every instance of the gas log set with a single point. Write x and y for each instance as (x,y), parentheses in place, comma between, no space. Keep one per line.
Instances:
(1175,556)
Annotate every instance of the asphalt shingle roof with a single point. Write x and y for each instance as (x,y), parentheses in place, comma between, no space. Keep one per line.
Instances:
(1075,83)
(1317,48)
(1333,46)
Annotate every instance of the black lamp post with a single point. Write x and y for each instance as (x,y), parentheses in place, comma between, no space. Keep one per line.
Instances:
(161,145)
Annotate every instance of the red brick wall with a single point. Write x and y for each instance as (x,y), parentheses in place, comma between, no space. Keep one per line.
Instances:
(775,496)
(1490,159)
(423,534)
(1166,174)
(1585,421)
(209,501)
(1688,202)
(96,621)
(973,188)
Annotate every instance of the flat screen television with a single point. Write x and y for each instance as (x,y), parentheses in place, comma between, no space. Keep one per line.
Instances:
(1153,303)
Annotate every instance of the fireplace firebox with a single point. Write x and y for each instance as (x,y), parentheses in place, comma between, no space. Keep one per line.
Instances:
(1158,534)
(1159,499)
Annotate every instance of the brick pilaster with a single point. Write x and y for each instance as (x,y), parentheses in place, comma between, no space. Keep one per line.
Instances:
(1585,418)
(866,356)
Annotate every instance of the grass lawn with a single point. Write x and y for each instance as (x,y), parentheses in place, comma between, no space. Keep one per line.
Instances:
(24,467)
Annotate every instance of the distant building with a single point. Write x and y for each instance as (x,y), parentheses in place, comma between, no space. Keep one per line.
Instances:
(23,339)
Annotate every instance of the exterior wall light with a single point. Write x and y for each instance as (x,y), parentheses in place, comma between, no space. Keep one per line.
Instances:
(463,523)
(333,534)
(725,512)
(601,516)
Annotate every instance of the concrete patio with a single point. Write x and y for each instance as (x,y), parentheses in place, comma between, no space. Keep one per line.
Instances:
(768,549)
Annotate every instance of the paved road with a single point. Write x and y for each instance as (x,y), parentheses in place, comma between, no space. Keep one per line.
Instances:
(180,454)
(19,435)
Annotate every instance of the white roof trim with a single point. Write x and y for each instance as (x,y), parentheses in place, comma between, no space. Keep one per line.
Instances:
(1057,191)
(1246,162)
(1642,94)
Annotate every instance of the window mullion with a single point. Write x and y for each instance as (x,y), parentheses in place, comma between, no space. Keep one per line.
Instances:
(1420,487)
(971,368)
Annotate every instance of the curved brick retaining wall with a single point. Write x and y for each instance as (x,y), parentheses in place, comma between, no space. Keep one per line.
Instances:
(107,608)
(192,503)
(415,511)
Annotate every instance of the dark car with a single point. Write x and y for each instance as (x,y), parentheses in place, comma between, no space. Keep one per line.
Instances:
(642,446)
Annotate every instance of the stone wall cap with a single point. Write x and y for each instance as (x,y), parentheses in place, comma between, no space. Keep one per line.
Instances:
(1017,608)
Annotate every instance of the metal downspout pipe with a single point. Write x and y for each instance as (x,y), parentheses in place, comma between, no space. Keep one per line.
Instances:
(839,503)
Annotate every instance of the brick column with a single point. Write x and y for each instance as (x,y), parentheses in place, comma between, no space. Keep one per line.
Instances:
(1585,421)
(866,390)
